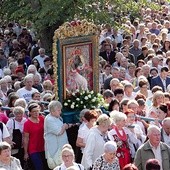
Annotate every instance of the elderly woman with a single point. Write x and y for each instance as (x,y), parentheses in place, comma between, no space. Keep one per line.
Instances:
(22,102)
(15,127)
(97,137)
(108,160)
(68,159)
(34,138)
(6,160)
(122,136)
(54,134)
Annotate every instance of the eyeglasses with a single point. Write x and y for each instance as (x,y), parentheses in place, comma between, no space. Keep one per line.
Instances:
(66,156)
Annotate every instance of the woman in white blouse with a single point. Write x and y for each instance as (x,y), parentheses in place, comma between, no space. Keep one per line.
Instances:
(97,137)
(91,117)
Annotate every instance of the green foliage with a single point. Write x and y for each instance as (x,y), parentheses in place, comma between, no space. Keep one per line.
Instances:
(50,14)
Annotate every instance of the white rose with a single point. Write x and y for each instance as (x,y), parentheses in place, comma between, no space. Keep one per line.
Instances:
(69,100)
(78,99)
(73,94)
(77,105)
(93,100)
(72,106)
(98,94)
(65,104)
(84,107)
(86,98)
(81,102)
(92,92)
(89,95)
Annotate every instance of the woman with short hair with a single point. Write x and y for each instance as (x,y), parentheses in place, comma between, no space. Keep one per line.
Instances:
(108,160)
(15,127)
(83,132)
(122,136)
(68,159)
(34,138)
(7,161)
(54,134)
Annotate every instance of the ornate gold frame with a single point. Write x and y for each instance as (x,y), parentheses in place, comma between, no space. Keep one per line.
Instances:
(75,32)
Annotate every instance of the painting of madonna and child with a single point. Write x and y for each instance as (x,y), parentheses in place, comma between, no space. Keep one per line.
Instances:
(78,67)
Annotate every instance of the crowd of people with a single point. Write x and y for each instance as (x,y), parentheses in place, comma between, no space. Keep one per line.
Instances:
(130,131)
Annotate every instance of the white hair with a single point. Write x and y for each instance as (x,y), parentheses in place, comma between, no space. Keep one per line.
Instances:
(151,128)
(18,109)
(13,65)
(110,146)
(31,67)
(117,116)
(7,78)
(17,85)
(37,75)
(6,71)
(53,105)
(29,76)
(41,50)
(20,102)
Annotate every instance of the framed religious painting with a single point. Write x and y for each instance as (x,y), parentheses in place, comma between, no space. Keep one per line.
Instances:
(75,58)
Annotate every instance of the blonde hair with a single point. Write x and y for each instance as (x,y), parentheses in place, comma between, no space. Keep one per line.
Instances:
(103,120)
(155,95)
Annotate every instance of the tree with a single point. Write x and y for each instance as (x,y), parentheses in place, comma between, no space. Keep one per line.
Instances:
(48,15)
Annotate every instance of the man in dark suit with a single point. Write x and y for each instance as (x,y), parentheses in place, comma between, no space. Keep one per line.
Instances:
(162,80)
(108,54)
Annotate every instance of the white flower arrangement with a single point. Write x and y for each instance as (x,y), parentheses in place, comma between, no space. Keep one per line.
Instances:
(83,99)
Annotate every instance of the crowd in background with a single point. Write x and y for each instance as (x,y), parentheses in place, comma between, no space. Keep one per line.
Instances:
(132,128)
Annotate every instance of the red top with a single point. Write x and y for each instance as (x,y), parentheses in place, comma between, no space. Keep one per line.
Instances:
(3,118)
(36,135)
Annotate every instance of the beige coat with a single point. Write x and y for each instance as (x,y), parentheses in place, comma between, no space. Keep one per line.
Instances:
(145,152)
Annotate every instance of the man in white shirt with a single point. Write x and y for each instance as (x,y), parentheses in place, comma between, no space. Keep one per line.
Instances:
(27,91)
(41,57)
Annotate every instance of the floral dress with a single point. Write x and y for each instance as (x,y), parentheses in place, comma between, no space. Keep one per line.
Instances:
(14,164)
(101,164)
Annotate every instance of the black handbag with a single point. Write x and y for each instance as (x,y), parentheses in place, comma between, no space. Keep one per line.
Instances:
(16,137)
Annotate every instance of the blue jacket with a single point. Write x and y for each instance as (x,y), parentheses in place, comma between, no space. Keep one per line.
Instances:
(156,81)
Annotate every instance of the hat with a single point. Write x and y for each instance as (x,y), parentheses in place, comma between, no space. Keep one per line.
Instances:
(19,69)
(47,59)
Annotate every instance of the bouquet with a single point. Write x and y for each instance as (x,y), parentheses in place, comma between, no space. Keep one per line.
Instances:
(82,100)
